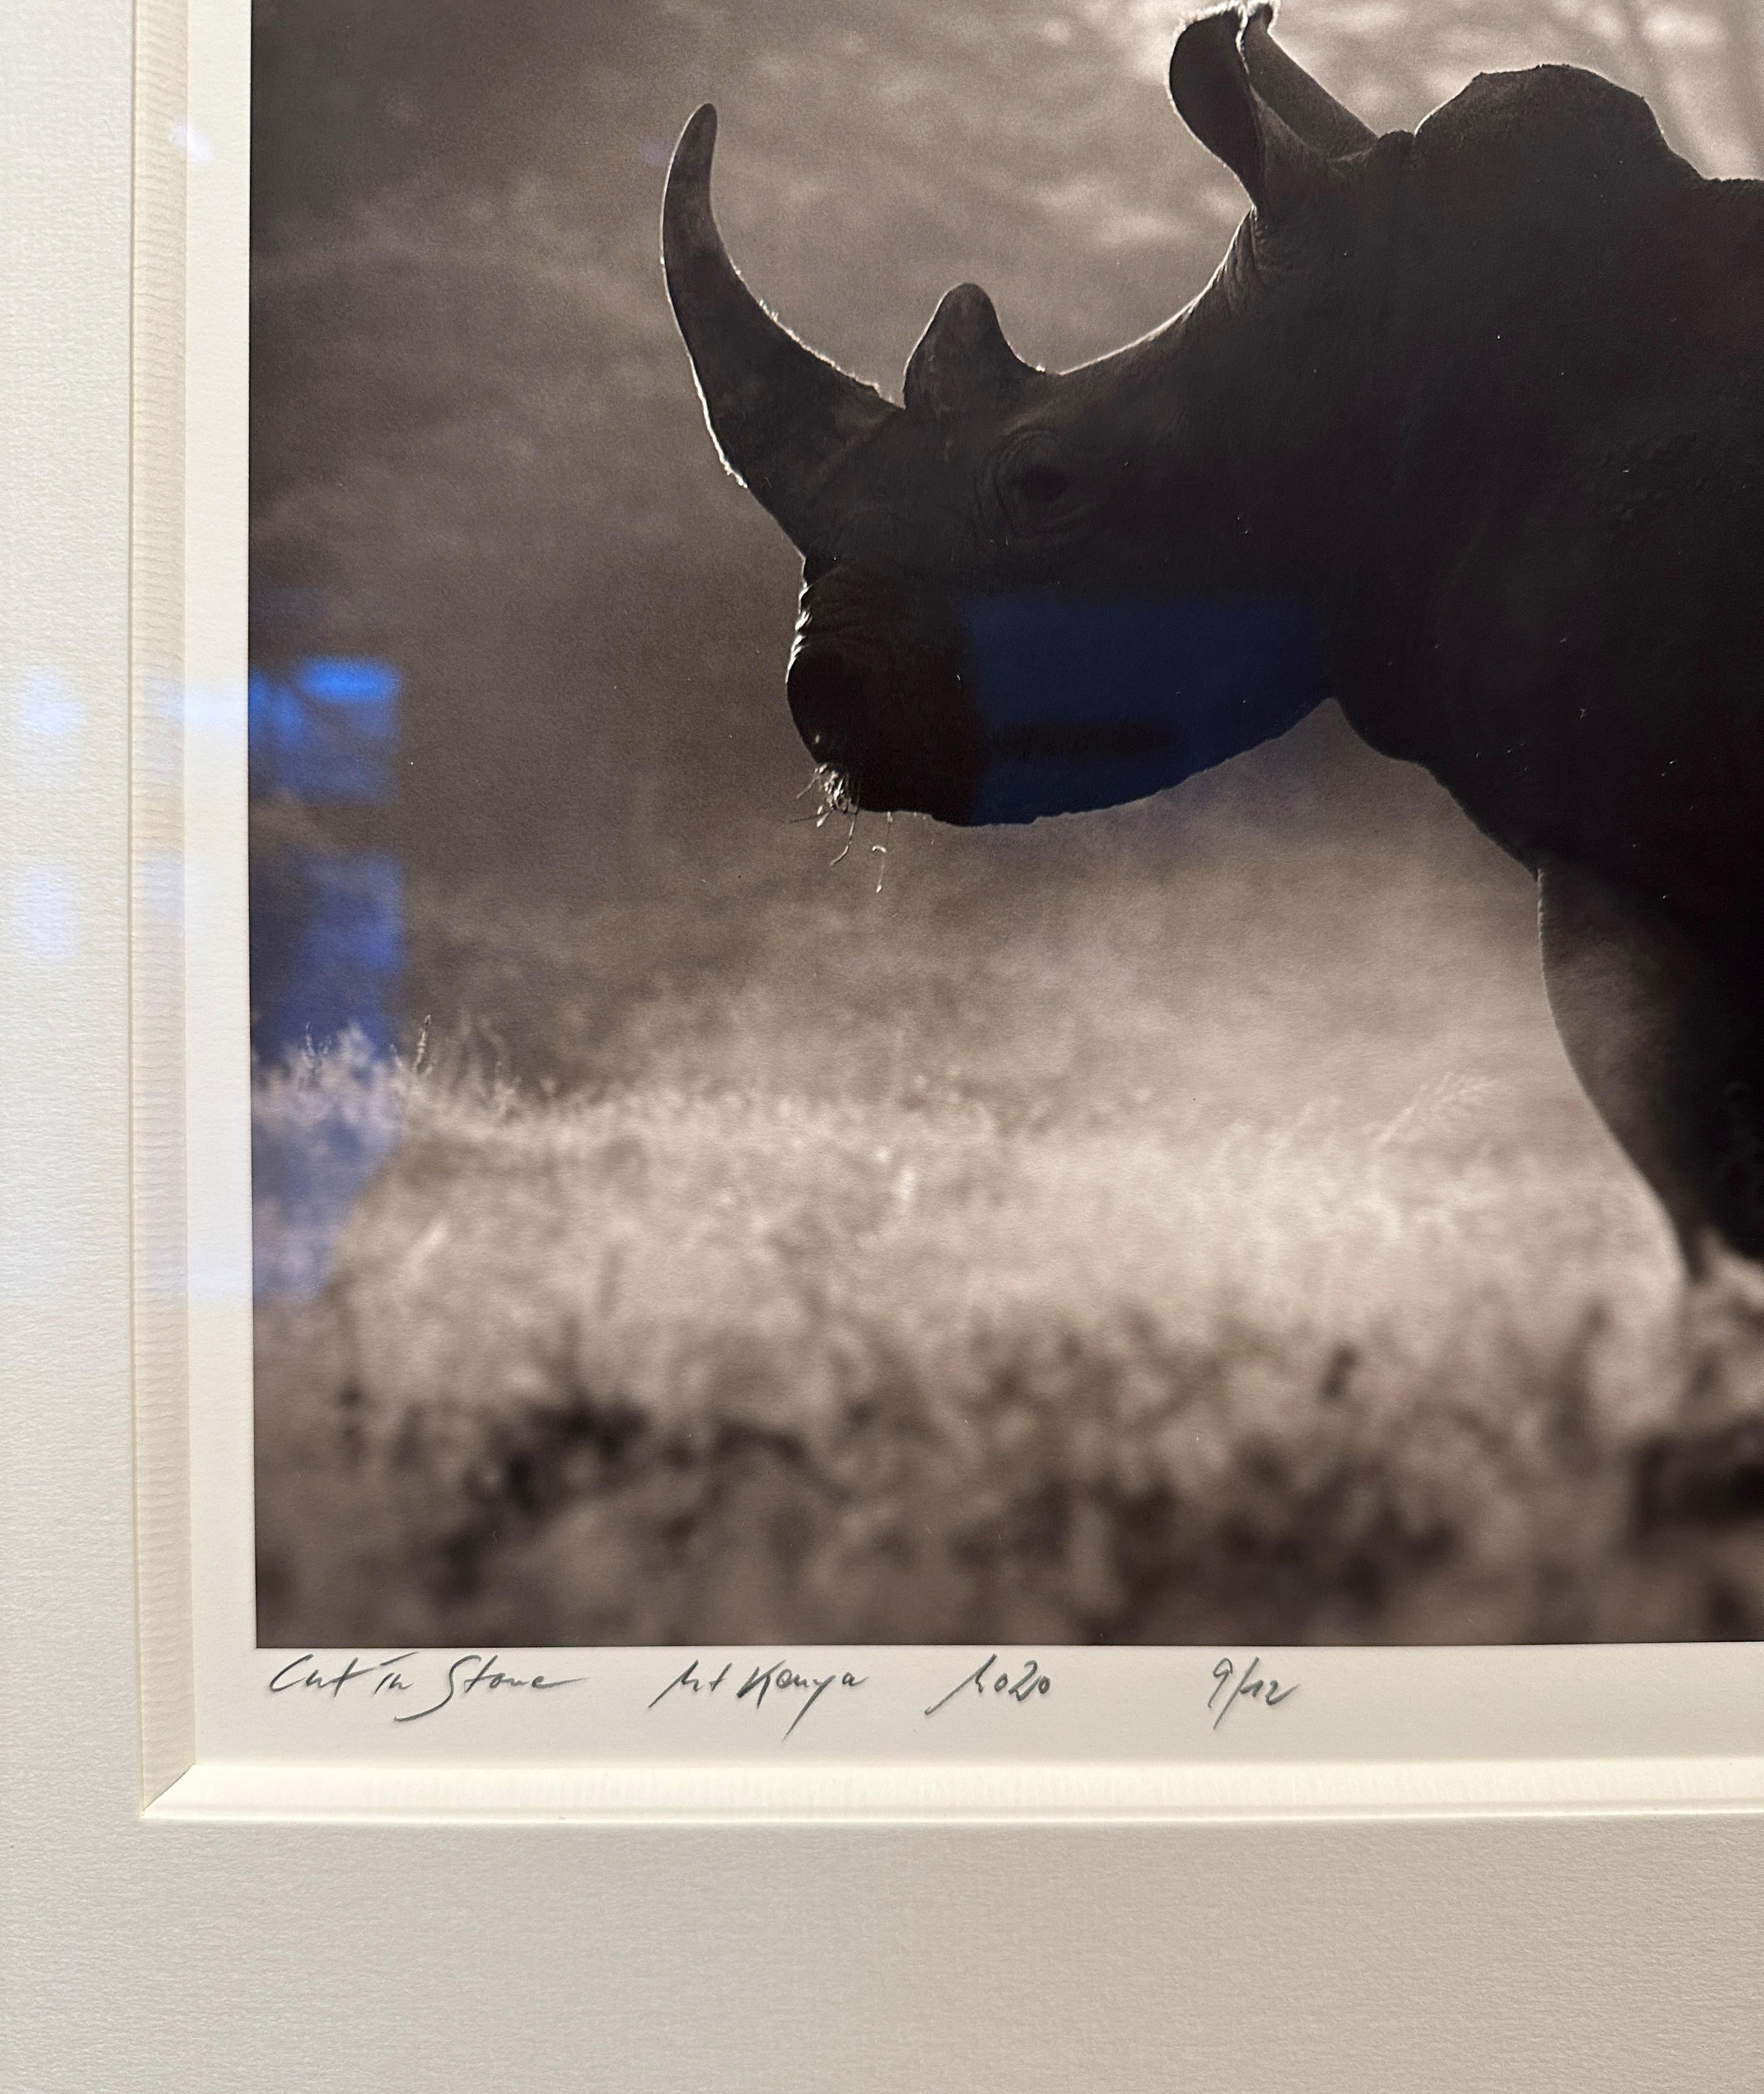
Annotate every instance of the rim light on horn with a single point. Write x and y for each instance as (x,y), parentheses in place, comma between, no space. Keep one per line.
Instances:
(783,417)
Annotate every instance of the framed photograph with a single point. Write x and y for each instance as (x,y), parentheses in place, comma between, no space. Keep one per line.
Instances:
(1003,1179)
(949,1091)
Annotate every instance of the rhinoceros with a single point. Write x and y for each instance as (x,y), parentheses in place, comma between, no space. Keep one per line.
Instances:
(1467,432)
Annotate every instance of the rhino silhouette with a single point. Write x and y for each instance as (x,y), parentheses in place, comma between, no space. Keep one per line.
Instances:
(1465,432)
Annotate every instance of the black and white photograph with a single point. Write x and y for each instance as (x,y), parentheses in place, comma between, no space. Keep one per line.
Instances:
(1006,835)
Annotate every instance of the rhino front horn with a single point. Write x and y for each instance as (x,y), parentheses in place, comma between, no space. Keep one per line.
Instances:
(782,416)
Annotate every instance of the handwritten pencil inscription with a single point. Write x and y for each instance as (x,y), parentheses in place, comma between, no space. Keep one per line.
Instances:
(1029,1682)
(1230,1686)
(412,1685)
(474,1673)
(779,1678)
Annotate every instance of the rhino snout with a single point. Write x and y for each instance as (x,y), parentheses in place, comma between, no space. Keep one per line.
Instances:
(826,690)
(877,691)
(900,733)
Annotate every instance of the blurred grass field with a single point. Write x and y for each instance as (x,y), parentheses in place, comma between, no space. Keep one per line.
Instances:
(1117,1258)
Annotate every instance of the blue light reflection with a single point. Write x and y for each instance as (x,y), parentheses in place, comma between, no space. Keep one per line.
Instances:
(325,731)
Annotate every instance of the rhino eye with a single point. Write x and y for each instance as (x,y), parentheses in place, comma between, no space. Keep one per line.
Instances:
(1033,481)
(1041,482)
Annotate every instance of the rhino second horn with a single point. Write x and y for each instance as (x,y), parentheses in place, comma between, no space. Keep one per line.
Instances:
(783,417)
(963,363)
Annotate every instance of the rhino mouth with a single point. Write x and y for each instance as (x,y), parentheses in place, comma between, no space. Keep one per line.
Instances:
(907,737)
(877,691)
(1005,708)
(902,742)
(1054,704)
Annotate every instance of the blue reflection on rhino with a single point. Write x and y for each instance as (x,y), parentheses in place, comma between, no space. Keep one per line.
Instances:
(1088,704)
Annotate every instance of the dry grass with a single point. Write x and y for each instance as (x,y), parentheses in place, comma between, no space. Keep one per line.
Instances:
(674,1363)
(1179,1226)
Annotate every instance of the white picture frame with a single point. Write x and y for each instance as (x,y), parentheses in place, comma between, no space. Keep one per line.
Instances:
(1574,1900)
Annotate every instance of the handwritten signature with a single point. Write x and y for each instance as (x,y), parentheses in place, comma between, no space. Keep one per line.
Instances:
(1249,1687)
(778,1677)
(473,1674)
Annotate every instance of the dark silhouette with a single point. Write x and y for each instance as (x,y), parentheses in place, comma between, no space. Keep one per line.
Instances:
(1465,432)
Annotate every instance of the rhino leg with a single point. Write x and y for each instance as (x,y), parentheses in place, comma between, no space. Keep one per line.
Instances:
(1668,1044)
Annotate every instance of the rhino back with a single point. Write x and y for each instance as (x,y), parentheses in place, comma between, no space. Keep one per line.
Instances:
(1571,629)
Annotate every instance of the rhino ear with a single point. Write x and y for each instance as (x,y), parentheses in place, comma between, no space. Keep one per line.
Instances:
(1214,96)
(1301,103)
(962,364)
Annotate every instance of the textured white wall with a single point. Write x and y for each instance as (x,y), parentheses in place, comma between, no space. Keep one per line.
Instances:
(1523,1955)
